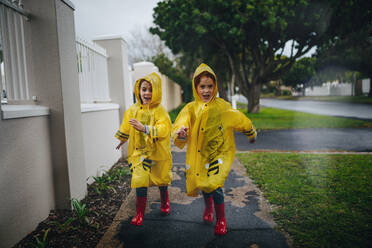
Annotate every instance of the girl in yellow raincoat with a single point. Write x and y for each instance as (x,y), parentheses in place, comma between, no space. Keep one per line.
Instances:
(207,126)
(147,126)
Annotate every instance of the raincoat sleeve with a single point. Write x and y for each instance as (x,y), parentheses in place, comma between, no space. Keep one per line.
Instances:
(162,127)
(123,133)
(241,123)
(181,120)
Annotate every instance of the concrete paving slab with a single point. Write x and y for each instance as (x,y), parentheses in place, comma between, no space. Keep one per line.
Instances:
(247,214)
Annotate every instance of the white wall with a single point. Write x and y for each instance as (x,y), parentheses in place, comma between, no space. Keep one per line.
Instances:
(171,92)
(366,85)
(99,128)
(26,177)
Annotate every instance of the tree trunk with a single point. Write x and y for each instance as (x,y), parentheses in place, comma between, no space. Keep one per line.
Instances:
(254,98)
(222,91)
(358,90)
(370,86)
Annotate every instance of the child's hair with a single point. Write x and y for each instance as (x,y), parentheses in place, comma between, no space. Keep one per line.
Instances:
(142,80)
(139,88)
(206,74)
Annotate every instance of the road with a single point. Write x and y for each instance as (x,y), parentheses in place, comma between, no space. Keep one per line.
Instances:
(317,139)
(353,110)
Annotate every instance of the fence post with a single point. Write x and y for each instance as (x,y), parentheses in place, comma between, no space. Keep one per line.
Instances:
(121,89)
(55,82)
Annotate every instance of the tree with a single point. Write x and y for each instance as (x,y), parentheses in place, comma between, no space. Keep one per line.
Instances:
(249,34)
(166,66)
(349,38)
(143,45)
(300,74)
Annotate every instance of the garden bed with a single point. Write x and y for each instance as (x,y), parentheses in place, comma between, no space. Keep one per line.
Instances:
(85,225)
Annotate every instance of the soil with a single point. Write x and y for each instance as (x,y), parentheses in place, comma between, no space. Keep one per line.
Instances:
(102,206)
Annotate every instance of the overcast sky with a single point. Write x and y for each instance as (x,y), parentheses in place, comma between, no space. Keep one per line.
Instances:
(95,18)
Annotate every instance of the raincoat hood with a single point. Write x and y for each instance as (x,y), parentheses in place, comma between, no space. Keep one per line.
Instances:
(202,68)
(155,81)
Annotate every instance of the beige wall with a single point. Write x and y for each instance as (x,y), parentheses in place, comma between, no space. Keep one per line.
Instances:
(71,103)
(171,92)
(99,128)
(26,177)
(119,76)
(42,158)
(54,81)
(174,95)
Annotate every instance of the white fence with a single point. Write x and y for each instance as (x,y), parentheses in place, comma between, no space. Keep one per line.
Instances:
(13,47)
(366,84)
(93,76)
(330,89)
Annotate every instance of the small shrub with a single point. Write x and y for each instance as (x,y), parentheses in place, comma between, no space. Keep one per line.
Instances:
(65,226)
(286,93)
(174,113)
(81,211)
(41,243)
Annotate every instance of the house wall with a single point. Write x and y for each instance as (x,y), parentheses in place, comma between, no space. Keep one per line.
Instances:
(26,177)
(171,92)
(174,95)
(99,128)
(42,161)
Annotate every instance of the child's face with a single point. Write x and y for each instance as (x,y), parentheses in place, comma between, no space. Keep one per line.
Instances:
(145,92)
(206,88)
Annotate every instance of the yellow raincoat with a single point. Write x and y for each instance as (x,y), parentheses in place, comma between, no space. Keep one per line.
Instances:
(149,155)
(210,139)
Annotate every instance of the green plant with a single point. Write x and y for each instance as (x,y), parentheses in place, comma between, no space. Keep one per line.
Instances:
(102,184)
(41,243)
(65,226)
(174,113)
(81,211)
(121,172)
(286,93)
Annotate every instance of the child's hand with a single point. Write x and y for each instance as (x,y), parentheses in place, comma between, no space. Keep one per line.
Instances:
(120,144)
(137,125)
(182,132)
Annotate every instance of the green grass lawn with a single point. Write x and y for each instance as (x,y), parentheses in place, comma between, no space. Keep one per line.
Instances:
(173,113)
(351,99)
(273,118)
(323,200)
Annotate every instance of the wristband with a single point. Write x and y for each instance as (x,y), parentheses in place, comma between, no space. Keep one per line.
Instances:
(147,129)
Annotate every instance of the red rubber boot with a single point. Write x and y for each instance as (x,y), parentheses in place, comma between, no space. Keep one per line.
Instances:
(208,211)
(164,203)
(220,228)
(140,206)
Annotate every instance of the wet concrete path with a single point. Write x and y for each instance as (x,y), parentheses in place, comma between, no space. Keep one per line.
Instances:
(247,214)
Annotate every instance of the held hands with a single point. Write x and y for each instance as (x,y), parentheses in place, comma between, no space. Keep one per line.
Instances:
(137,125)
(182,132)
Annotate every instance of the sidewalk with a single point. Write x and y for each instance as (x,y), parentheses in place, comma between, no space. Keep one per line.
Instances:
(247,214)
